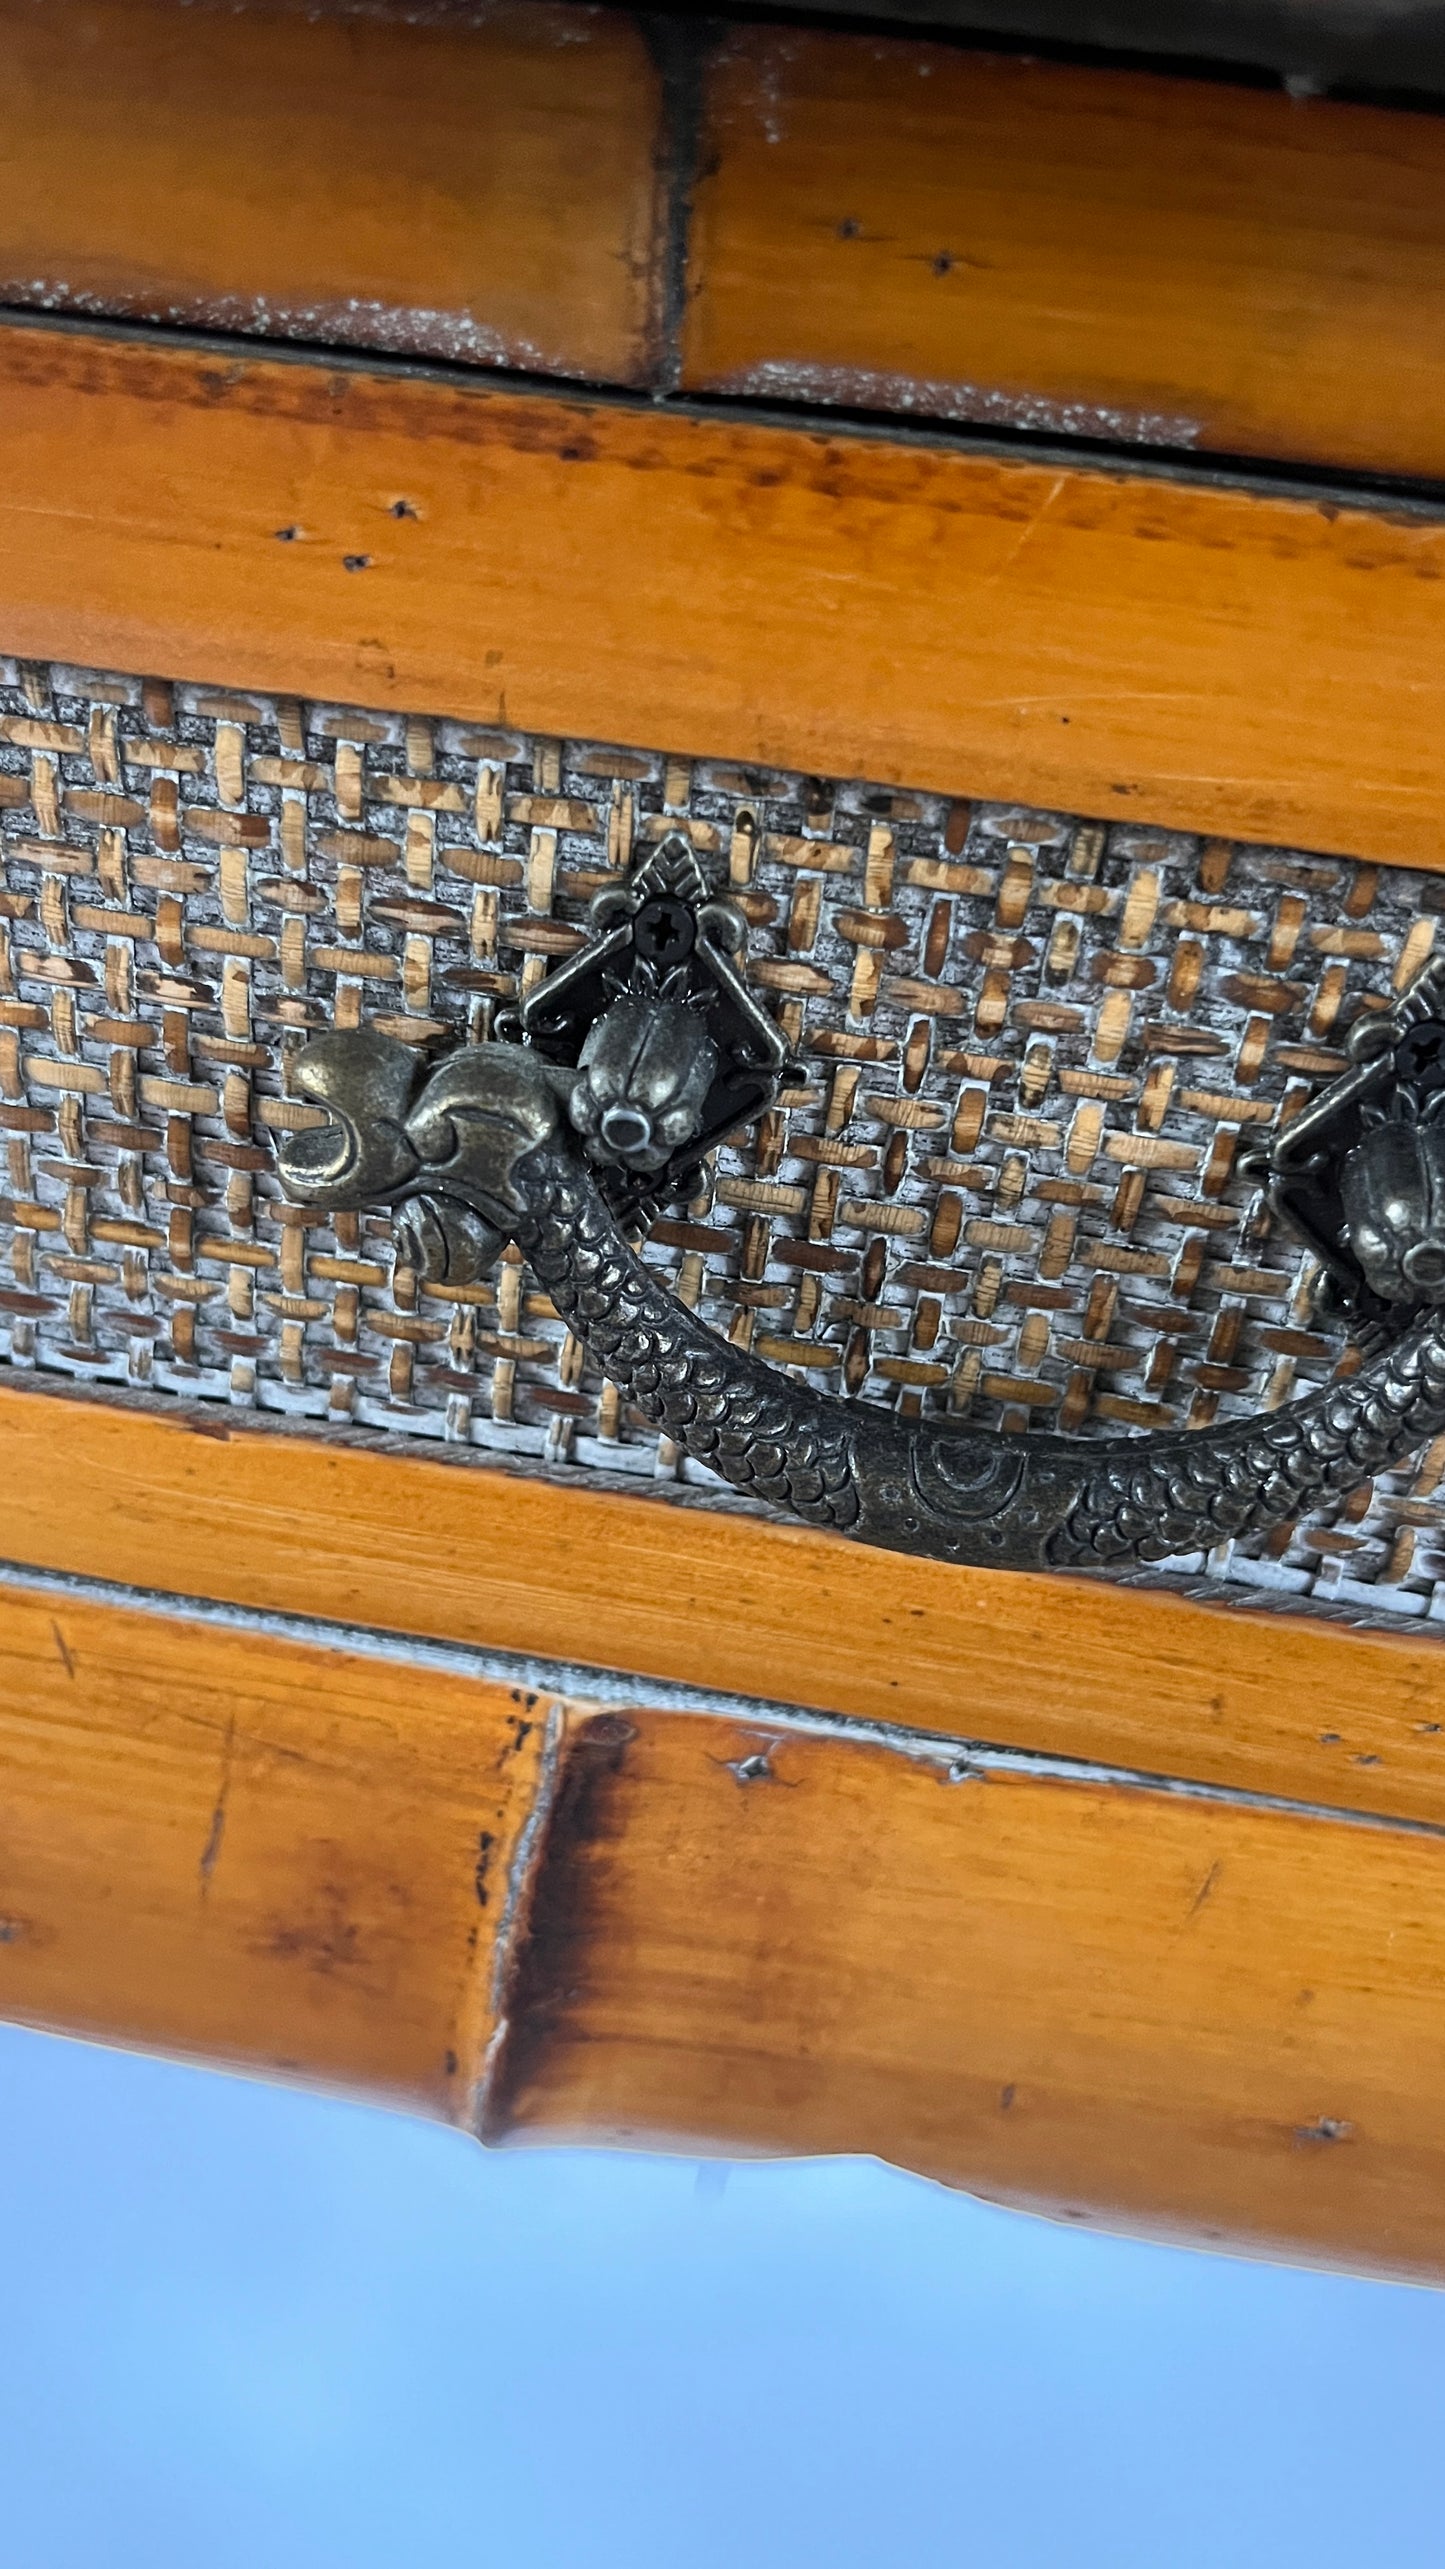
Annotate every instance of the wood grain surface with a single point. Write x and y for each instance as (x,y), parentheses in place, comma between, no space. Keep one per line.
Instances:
(546,1918)
(1203,2021)
(878,223)
(476,185)
(1101,253)
(718,1598)
(1115,644)
(253,1851)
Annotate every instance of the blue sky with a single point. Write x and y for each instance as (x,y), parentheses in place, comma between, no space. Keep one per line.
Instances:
(257,2329)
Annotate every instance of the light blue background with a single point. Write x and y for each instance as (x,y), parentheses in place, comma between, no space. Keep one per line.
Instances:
(247,2329)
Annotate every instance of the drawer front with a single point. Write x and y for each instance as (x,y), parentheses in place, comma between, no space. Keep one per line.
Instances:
(1009,1192)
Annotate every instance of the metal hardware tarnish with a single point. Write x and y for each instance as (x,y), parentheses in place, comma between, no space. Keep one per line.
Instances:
(634,1059)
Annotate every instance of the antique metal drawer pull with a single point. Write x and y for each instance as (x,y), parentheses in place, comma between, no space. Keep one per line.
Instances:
(646,1048)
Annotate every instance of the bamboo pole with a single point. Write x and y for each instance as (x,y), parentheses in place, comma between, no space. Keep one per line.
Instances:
(547,1913)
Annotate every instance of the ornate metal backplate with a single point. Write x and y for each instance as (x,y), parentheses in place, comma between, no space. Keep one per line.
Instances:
(660,976)
(1358,1174)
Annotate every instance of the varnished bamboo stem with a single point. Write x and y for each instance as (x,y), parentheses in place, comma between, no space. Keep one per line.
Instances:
(549,1914)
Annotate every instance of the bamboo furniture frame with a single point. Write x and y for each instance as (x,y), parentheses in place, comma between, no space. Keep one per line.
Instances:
(794,214)
(1188,652)
(563,1811)
(550,1907)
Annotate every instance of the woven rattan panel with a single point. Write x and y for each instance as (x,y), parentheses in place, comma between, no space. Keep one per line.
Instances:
(1011,1189)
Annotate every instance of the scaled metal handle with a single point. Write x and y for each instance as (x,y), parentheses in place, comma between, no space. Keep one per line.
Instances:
(646,1048)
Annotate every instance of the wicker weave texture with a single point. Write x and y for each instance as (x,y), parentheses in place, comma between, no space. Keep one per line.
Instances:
(1010,1190)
